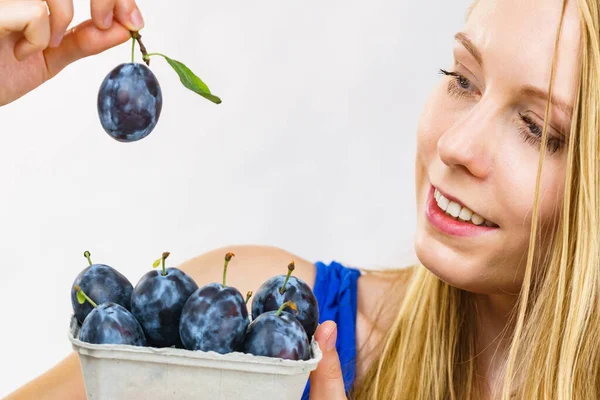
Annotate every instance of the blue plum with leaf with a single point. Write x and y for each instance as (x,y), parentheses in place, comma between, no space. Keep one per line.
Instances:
(157,302)
(280,289)
(215,318)
(104,284)
(109,323)
(277,334)
(130,97)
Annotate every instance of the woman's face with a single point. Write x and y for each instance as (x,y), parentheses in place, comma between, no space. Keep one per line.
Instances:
(479,139)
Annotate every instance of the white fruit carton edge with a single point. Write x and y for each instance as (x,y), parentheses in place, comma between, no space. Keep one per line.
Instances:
(114,372)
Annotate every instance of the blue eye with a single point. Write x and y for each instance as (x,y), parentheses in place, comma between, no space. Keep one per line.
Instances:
(460,86)
(531,133)
(463,82)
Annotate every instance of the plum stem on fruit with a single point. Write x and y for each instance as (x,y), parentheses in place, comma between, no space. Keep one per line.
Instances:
(289,304)
(228,257)
(78,289)
(248,295)
(132,49)
(291,268)
(87,255)
(138,38)
(164,257)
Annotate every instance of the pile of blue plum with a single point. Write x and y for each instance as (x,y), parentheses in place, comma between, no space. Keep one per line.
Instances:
(168,309)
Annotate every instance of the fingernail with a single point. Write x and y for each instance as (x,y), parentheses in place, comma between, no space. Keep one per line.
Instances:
(108,20)
(56,39)
(331,339)
(136,19)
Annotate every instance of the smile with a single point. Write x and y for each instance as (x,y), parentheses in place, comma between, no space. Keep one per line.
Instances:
(450,216)
(457,210)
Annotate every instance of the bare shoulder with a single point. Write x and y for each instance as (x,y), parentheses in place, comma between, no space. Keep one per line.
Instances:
(249,268)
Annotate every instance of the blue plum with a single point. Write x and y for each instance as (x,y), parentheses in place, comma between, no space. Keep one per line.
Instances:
(157,302)
(214,318)
(280,289)
(103,284)
(277,334)
(110,323)
(129,102)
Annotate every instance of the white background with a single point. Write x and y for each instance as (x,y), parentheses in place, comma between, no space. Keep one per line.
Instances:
(312,150)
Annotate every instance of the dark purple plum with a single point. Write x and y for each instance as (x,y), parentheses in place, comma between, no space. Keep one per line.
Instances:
(277,334)
(104,284)
(129,102)
(214,318)
(157,302)
(280,289)
(110,323)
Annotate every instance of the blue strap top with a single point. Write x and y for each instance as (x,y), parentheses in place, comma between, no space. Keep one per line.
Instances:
(336,292)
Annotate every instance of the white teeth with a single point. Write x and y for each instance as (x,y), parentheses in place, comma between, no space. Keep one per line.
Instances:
(453,209)
(465,214)
(456,211)
(443,202)
(476,219)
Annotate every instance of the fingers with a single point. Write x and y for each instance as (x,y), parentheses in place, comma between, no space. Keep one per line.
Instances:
(82,41)
(30,18)
(61,15)
(102,12)
(326,382)
(125,12)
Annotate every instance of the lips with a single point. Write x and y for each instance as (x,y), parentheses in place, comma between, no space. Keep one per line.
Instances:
(449,225)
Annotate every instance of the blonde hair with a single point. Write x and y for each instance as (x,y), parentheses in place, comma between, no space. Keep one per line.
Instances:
(429,352)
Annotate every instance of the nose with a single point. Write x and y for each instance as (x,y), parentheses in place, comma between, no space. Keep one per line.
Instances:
(469,143)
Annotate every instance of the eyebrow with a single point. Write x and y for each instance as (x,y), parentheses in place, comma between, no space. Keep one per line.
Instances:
(471,48)
(543,95)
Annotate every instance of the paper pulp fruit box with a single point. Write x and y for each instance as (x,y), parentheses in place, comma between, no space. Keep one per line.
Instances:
(114,372)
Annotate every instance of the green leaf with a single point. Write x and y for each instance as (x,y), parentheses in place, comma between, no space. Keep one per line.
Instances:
(80,297)
(156,263)
(191,81)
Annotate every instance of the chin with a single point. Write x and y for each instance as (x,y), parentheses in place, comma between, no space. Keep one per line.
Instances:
(463,271)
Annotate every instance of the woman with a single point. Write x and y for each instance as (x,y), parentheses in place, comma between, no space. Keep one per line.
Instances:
(505,300)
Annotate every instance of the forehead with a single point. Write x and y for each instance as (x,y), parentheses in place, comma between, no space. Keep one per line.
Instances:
(517,37)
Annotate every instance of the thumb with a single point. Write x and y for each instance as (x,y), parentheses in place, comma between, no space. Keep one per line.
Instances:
(82,41)
(326,382)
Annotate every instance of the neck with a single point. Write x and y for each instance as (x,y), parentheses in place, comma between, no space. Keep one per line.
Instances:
(494,333)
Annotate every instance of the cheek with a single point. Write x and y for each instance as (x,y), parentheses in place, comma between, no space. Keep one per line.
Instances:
(517,174)
(515,191)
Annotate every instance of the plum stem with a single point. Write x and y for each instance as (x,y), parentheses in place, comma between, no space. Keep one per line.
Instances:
(289,304)
(164,257)
(248,295)
(138,38)
(291,268)
(228,257)
(79,290)
(87,255)
(132,49)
